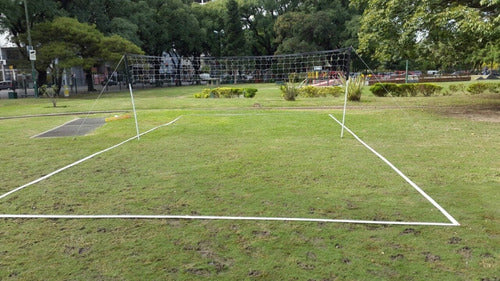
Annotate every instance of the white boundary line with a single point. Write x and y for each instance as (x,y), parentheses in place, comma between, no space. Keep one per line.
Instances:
(187,217)
(85,159)
(416,187)
(23,216)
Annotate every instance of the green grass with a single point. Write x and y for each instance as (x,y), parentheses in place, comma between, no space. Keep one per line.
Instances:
(227,157)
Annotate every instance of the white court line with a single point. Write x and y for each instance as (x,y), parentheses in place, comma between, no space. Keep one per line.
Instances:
(415,186)
(85,159)
(7,216)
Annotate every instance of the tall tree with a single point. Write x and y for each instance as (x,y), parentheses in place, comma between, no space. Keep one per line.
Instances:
(76,44)
(13,19)
(316,25)
(441,34)
(235,38)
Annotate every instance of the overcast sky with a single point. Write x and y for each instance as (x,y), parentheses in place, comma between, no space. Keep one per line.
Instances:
(3,41)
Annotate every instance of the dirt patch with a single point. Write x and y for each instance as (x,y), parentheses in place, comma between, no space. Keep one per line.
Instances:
(306,266)
(454,240)
(254,273)
(410,231)
(198,271)
(466,252)
(430,257)
(480,113)
(397,257)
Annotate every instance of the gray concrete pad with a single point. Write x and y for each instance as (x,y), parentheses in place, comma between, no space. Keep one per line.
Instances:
(77,127)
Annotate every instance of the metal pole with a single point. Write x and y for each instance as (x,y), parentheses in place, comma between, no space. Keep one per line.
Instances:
(33,72)
(406,73)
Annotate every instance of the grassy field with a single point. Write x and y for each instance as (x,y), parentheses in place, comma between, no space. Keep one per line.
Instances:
(253,157)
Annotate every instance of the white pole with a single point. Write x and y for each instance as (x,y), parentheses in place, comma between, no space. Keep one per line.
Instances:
(345,106)
(135,113)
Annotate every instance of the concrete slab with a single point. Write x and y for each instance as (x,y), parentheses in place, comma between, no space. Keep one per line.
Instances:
(77,127)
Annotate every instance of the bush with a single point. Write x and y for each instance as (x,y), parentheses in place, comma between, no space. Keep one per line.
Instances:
(382,89)
(494,88)
(480,88)
(225,92)
(406,90)
(315,92)
(289,91)
(355,88)
(334,91)
(249,92)
(477,88)
(428,89)
(51,92)
(309,92)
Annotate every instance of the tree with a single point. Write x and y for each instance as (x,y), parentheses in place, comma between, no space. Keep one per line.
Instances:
(235,39)
(437,34)
(13,21)
(76,44)
(316,25)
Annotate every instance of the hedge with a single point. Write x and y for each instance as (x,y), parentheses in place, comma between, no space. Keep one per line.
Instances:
(404,90)
(226,92)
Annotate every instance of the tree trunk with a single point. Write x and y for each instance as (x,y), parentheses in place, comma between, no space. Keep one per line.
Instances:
(90,81)
(42,78)
(58,85)
(196,65)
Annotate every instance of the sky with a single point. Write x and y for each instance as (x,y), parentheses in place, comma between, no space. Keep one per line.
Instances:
(3,41)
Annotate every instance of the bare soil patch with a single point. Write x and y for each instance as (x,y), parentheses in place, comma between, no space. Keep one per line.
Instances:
(480,113)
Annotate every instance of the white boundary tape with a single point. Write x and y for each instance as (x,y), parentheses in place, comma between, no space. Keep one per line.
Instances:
(218,218)
(416,187)
(187,217)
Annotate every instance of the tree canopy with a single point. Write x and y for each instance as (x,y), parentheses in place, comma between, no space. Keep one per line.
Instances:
(443,34)
(435,34)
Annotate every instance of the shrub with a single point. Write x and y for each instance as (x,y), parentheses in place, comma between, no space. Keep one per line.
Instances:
(382,89)
(477,88)
(355,87)
(289,91)
(249,92)
(309,92)
(314,91)
(225,92)
(334,91)
(51,92)
(494,88)
(408,90)
(428,89)
(378,90)
(457,88)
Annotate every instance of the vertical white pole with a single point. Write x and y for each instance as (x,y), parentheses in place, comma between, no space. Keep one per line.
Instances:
(135,113)
(345,106)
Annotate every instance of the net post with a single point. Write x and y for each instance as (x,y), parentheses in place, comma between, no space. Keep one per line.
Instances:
(346,89)
(129,82)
